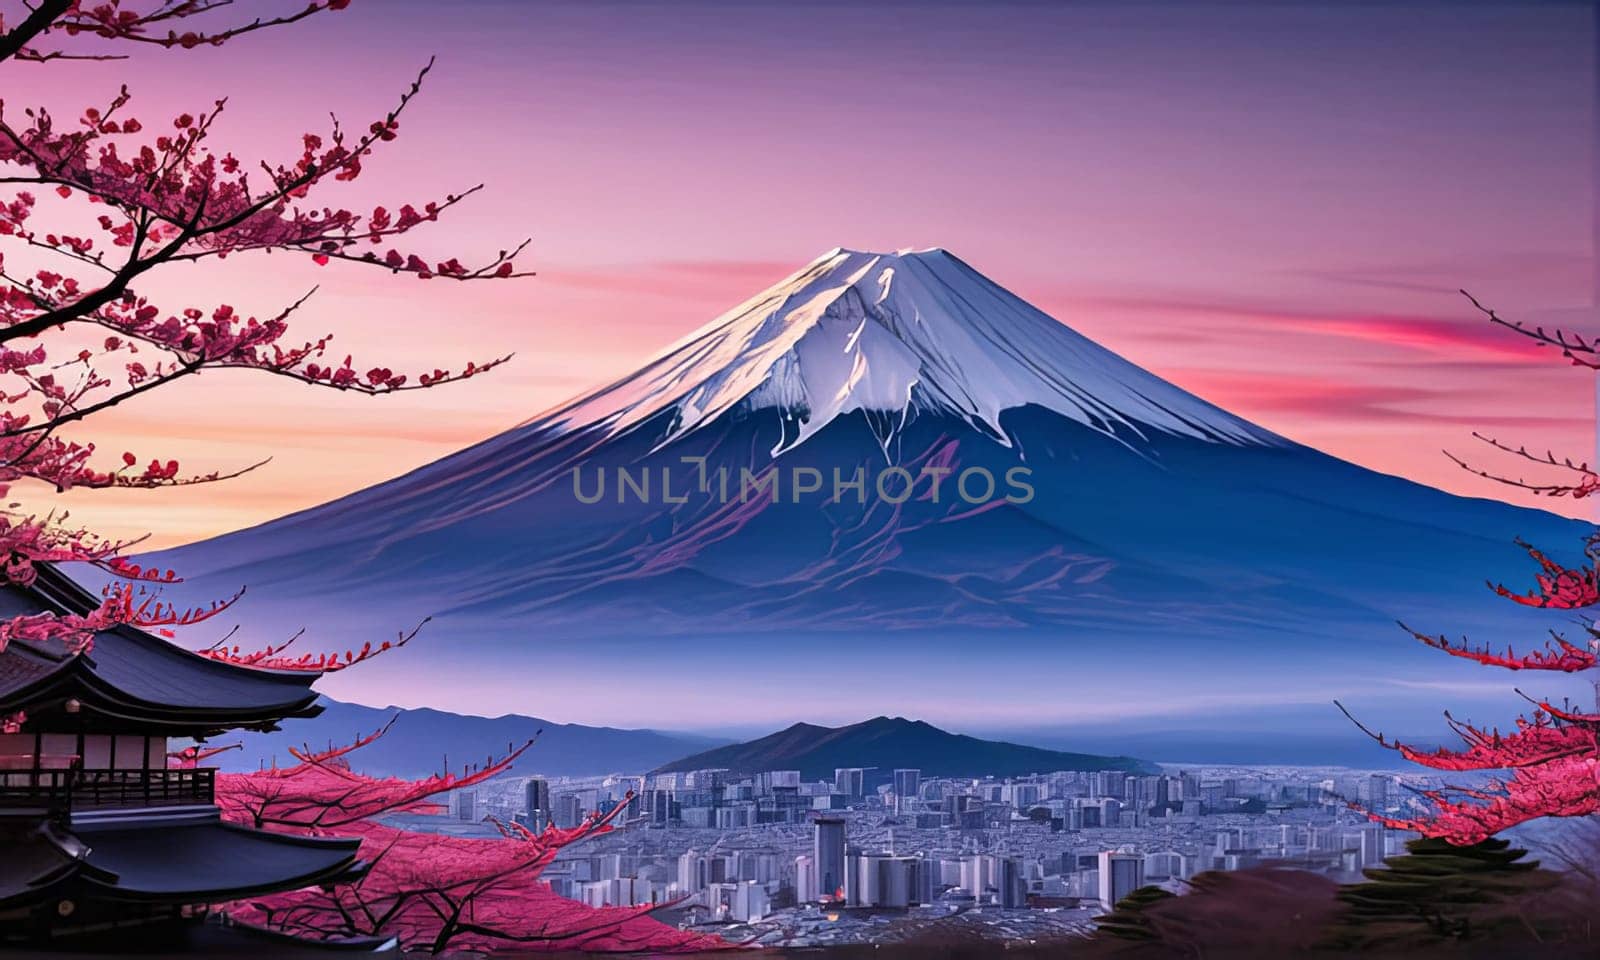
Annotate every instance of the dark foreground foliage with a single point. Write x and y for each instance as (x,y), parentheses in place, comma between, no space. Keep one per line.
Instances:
(1437,891)
(1127,920)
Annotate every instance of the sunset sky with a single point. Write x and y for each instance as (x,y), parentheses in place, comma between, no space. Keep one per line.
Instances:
(1271,205)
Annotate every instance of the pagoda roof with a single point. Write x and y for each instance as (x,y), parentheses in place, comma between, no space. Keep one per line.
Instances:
(40,857)
(201,858)
(183,856)
(134,681)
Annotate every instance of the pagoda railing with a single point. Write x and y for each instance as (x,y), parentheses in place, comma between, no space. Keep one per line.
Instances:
(77,788)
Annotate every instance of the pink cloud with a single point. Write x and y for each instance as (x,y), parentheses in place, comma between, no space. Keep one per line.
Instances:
(1468,337)
(1256,394)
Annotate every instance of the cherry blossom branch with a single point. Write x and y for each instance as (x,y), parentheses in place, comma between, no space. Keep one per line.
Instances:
(1563,787)
(1558,654)
(1582,351)
(1587,484)
(190,757)
(1538,740)
(271,658)
(1560,588)
(116,20)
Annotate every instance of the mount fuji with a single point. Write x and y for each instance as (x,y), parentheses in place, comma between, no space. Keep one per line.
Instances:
(1163,548)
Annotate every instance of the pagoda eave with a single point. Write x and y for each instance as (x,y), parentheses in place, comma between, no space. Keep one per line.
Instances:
(134,681)
(203,859)
(100,708)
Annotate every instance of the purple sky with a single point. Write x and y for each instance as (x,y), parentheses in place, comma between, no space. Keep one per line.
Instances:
(1270,204)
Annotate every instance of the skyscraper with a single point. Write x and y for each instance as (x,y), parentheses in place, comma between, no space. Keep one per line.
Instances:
(568,810)
(1373,845)
(1107,783)
(658,804)
(973,880)
(886,880)
(1011,888)
(1375,792)
(827,857)
(537,802)
(906,784)
(850,781)
(692,872)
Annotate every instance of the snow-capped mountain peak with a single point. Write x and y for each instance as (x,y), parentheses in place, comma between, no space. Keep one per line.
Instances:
(894,335)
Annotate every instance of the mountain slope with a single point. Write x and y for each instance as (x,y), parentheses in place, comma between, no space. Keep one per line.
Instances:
(884,743)
(1161,544)
(422,741)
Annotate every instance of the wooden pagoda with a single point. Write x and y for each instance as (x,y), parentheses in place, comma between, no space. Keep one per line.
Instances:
(102,842)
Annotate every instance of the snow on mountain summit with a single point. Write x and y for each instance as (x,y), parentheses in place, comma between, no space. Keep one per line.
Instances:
(893,335)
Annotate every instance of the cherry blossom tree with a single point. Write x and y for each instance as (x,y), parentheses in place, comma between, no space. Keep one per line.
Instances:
(77,338)
(1552,754)
(433,892)
(129,198)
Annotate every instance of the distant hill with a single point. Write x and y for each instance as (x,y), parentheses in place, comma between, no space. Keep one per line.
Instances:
(421,739)
(885,743)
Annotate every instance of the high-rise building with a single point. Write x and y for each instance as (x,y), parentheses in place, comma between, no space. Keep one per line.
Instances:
(827,854)
(1373,846)
(1022,795)
(605,866)
(777,779)
(886,880)
(861,874)
(536,803)
(1119,874)
(710,780)
(617,892)
(973,880)
(658,806)
(1375,792)
(906,784)
(1108,783)
(567,809)
(1110,810)
(1011,888)
(692,872)
(850,781)
(927,880)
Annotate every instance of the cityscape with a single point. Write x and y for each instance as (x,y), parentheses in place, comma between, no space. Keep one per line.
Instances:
(876,855)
